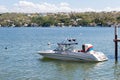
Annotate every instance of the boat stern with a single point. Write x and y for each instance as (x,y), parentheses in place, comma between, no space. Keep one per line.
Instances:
(100,56)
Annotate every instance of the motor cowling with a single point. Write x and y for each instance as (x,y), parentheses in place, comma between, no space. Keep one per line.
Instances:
(87,47)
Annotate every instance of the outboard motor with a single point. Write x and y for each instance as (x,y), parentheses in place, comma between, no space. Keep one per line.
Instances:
(87,47)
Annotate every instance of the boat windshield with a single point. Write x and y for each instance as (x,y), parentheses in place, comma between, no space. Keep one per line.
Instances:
(68,45)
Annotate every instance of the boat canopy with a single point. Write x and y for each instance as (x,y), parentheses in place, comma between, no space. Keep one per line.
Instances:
(67,45)
(68,42)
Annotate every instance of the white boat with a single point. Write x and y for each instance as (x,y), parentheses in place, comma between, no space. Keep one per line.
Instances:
(66,51)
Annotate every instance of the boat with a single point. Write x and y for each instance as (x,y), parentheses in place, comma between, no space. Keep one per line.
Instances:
(66,50)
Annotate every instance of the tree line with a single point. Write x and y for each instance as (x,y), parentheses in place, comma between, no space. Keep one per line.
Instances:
(59,19)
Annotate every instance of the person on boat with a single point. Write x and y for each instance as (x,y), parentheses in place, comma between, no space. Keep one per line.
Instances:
(83,49)
(86,48)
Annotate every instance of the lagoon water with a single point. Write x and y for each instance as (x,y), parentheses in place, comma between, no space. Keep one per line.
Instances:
(19,59)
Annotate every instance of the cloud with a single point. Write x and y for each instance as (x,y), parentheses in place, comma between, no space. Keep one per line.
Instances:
(64,4)
(87,10)
(30,7)
(111,9)
(24,4)
(3,9)
(46,7)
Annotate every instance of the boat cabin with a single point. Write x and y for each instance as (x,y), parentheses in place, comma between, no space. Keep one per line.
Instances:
(69,45)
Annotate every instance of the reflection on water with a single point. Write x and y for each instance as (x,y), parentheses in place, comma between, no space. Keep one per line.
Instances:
(116,68)
(71,70)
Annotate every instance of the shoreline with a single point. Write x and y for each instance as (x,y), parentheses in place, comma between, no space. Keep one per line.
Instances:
(59,19)
(52,26)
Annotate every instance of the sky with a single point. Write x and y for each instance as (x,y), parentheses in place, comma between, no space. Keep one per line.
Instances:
(43,6)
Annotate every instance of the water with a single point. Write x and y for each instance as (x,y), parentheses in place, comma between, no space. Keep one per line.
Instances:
(19,59)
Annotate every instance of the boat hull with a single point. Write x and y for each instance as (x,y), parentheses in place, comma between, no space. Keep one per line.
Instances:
(72,56)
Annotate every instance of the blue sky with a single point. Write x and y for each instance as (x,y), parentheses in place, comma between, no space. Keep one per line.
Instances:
(58,5)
